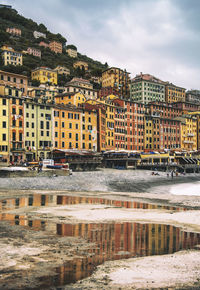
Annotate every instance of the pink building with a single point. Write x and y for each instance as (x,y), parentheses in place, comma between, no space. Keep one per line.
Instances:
(34,51)
(42,43)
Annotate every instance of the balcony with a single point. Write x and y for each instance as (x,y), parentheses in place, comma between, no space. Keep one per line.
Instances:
(188,142)
(190,135)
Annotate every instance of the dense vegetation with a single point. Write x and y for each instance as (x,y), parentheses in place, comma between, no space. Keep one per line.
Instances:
(11,18)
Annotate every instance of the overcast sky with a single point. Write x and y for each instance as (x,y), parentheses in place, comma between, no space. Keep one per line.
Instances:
(160,37)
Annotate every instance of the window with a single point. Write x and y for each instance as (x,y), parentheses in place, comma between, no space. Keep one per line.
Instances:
(27,115)
(56,134)
(63,134)
(76,126)
(47,125)
(83,136)
(76,137)
(4,112)
(63,114)
(41,124)
(63,144)
(76,145)
(32,125)
(90,137)
(70,135)
(4,137)
(27,124)
(83,145)
(4,124)
(56,124)
(4,102)
(63,124)
(70,125)
(20,124)
(32,116)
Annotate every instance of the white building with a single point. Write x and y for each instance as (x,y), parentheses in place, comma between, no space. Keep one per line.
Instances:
(38,34)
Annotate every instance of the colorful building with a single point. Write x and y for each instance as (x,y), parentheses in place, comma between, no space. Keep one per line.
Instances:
(72,52)
(145,88)
(16,124)
(116,78)
(62,70)
(174,93)
(4,125)
(55,46)
(14,31)
(34,51)
(14,80)
(81,64)
(45,75)
(188,132)
(75,128)
(10,56)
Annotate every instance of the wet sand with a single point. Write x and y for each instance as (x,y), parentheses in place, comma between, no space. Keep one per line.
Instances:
(28,255)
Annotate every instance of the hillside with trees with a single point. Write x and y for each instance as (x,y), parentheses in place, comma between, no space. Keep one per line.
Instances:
(11,18)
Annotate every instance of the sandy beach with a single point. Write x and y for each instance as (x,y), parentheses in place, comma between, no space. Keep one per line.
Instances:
(32,251)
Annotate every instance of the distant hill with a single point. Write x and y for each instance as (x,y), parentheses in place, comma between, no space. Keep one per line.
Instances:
(11,18)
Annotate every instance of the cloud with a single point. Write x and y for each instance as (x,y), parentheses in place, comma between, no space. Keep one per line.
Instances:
(160,37)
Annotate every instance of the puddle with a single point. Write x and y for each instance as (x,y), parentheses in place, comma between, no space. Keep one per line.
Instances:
(111,241)
(53,200)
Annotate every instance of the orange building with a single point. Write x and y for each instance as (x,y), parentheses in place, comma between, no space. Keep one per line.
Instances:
(14,80)
(55,46)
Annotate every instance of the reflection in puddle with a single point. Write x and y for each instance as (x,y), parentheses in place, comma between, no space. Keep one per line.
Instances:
(53,200)
(112,240)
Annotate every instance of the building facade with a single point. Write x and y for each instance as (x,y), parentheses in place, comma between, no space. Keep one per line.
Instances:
(45,75)
(62,70)
(38,34)
(10,56)
(72,52)
(55,46)
(14,80)
(145,88)
(34,51)
(14,31)
(118,79)
(81,64)
(174,93)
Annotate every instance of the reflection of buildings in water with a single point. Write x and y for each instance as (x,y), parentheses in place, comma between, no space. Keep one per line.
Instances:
(53,200)
(112,239)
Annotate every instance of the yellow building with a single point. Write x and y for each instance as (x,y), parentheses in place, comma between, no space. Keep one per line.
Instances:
(16,124)
(81,64)
(76,99)
(118,79)
(71,52)
(197,115)
(4,126)
(74,128)
(174,93)
(10,56)
(67,127)
(188,132)
(110,122)
(45,75)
